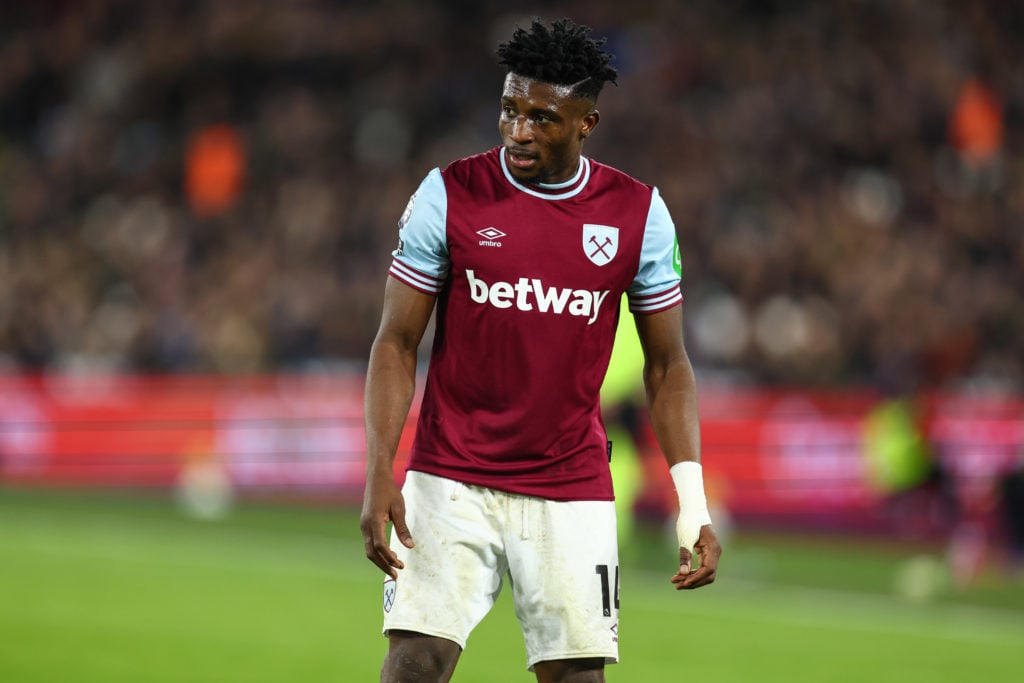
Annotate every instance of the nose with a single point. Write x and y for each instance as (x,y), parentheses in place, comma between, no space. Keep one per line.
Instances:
(520,131)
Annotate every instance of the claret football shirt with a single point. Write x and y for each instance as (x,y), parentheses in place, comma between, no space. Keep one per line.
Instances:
(528,280)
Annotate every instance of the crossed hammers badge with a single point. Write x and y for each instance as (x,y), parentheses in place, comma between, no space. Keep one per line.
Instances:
(600,242)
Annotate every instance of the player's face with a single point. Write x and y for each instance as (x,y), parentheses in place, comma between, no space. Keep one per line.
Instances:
(542,127)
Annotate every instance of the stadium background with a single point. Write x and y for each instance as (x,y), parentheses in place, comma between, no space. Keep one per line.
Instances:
(197,207)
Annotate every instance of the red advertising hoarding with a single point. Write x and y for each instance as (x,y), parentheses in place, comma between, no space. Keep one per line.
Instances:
(786,454)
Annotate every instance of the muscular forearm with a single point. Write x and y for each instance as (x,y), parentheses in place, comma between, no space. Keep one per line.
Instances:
(672,403)
(391,374)
(390,386)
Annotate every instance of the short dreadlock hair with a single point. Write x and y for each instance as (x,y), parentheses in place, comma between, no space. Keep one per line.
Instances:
(561,55)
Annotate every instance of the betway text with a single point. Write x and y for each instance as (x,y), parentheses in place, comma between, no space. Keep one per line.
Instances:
(529,293)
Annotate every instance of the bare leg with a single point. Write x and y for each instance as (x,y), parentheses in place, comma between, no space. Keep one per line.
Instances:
(415,658)
(570,671)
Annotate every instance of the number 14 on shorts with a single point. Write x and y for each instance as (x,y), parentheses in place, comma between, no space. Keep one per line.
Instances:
(606,589)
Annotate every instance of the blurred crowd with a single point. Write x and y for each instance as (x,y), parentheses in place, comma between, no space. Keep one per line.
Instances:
(206,186)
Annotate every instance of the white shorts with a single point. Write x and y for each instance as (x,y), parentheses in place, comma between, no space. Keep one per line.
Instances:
(561,559)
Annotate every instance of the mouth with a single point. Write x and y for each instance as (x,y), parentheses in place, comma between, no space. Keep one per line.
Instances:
(521,159)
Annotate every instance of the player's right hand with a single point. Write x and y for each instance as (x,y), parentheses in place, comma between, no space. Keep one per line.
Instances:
(383,503)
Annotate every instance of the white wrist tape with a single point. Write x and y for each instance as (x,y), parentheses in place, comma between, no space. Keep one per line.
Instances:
(693,506)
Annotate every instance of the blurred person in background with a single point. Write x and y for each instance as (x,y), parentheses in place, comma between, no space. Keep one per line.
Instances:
(902,468)
(525,251)
(1011,490)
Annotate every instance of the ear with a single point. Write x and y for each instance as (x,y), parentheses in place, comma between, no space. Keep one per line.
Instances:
(590,121)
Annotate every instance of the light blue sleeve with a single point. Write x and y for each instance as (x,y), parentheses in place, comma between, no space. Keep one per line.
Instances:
(656,285)
(421,259)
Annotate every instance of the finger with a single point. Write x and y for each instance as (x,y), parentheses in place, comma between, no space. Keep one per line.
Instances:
(383,550)
(379,550)
(379,558)
(698,578)
(373,556)
(709,554)
(685,560)
(401,528)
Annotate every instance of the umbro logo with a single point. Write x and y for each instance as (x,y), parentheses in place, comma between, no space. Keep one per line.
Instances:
(491,233)
(491,236)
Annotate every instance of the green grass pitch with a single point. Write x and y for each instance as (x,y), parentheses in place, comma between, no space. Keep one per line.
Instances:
(113,588)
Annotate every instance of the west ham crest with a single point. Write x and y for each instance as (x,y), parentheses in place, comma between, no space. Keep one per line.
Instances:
(407,214)
(600,242)
(389,594)
(402,222)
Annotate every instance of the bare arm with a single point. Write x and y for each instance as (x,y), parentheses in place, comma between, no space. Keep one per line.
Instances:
(672,402)
(670,384)
(390,386)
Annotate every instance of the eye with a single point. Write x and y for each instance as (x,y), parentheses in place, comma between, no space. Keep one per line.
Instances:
(506,110)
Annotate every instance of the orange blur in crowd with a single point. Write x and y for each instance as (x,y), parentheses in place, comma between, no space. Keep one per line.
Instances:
(976,126)
(214,170)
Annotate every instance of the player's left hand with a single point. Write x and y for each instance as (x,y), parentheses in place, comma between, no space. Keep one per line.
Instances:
(708,551)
